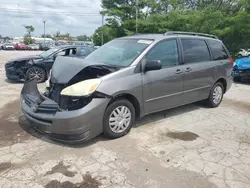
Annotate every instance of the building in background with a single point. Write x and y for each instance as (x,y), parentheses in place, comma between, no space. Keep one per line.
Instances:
(38,40)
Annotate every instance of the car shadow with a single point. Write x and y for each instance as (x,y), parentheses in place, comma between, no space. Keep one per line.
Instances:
(243,82)
(143,121)
(13,82)
(169,113)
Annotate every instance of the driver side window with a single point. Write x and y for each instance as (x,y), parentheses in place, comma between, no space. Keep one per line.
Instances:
(166,52)
(62,53)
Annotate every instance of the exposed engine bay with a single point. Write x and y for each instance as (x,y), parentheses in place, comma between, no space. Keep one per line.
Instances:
(73,103)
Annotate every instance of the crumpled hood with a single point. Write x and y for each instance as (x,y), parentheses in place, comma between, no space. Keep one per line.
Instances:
(26,58)
(65,68)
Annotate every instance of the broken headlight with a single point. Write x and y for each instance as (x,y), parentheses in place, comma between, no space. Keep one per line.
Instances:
(83,88)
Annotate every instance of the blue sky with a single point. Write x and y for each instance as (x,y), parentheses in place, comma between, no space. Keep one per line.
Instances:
(77,17)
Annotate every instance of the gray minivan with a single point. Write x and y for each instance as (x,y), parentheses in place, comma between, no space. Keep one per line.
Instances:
(126,79)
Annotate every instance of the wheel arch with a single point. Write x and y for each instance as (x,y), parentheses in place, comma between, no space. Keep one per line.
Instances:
(131,98)
(224,83)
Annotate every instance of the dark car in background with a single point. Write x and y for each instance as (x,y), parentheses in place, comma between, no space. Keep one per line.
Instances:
(38,66)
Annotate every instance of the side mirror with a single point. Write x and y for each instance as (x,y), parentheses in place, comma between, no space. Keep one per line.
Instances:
(152,65)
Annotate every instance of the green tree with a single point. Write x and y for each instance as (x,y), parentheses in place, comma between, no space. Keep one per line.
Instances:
(27,39)
(57,34)
(97,37)
(29,29)
(228,19)
(83,38)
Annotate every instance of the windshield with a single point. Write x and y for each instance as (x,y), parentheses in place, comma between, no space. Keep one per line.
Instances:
(48,52)
(120,52)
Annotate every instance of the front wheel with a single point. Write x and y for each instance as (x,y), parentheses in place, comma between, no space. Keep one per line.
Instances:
(216,95)
(118,118)
(36,73)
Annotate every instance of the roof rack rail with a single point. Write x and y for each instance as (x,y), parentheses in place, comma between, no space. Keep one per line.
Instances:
(190,33)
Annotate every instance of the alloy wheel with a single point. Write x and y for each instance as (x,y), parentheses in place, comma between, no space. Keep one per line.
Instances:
(37,73)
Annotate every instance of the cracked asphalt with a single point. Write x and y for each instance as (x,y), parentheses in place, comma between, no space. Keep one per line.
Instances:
(186,147)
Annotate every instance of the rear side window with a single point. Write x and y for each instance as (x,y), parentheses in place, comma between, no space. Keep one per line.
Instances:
(218,50)
(195,50)
(84,51)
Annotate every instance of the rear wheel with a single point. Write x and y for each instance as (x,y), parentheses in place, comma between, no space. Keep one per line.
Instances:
(36,73)
(216,95)
(118,118)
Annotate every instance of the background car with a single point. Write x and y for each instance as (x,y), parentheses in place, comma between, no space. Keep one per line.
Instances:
(241,69)
(243,53)
(21,46)
(39,66)
(33,47)
(8,46)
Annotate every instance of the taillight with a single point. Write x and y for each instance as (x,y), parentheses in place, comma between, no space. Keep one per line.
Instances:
(231,60)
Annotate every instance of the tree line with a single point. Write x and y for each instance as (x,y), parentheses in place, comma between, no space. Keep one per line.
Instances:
(227,19)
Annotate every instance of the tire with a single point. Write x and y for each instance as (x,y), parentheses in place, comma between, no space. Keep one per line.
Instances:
(114,130)
(211,101)
(36,72)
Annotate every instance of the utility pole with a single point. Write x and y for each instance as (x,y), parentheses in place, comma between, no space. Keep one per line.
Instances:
(102,26)
(136,18)
(44,32)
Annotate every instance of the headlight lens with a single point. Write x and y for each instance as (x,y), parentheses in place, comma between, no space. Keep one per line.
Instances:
(83,88)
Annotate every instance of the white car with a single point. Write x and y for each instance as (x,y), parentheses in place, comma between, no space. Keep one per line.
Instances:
(243,53)
(34,46)
(8,46)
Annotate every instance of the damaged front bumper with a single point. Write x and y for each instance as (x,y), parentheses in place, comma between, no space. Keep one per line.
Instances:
(11,73)
(62,125)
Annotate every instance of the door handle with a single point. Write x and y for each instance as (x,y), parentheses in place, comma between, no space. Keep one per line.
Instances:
(178,71)
(188,69)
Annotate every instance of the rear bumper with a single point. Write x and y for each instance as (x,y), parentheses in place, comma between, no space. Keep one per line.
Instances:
(67,126)
(229,83)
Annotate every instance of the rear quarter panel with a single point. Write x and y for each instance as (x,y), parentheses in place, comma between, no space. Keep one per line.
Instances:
(223,69)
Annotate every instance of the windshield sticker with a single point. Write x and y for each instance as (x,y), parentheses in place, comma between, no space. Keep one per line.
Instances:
(145,41)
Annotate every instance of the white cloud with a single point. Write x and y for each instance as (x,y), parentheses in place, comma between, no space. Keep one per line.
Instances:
(69,16)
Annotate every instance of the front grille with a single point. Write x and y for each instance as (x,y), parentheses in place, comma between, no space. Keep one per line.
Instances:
(37,105)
